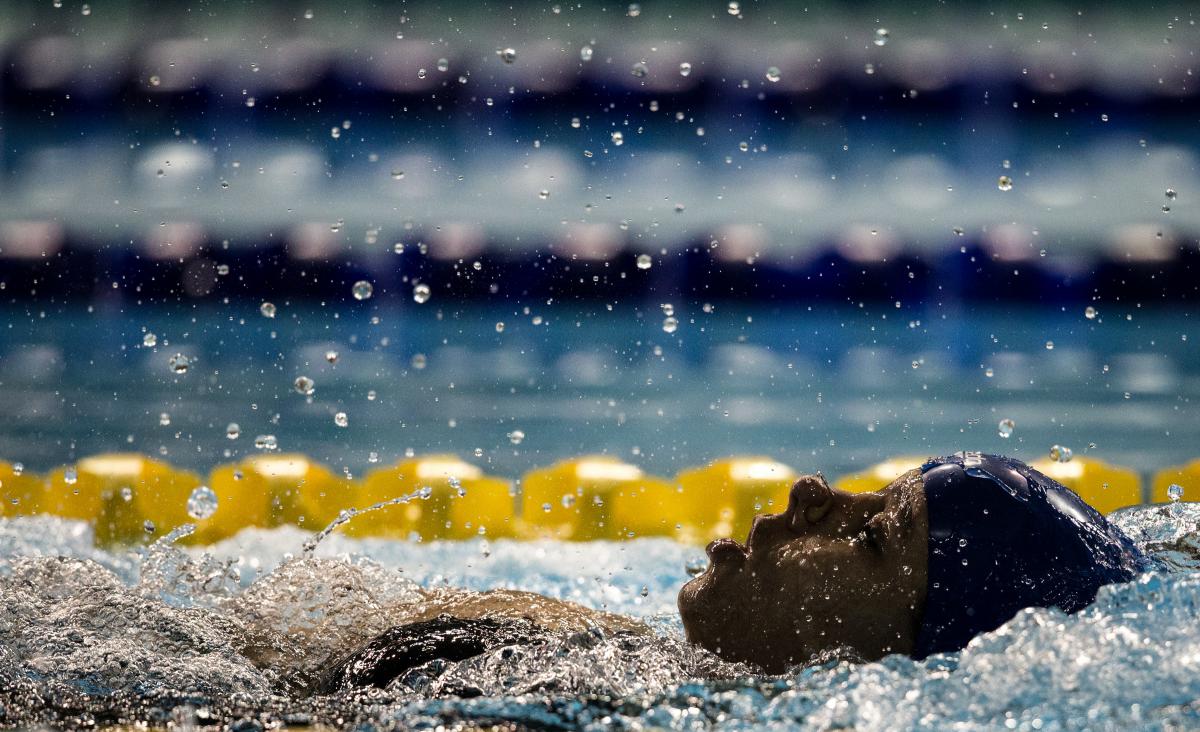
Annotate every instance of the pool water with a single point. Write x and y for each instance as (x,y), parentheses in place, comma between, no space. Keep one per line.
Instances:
(241,631)
(235,634)
(821,388)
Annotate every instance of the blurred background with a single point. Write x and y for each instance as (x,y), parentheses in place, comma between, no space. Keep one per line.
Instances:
(669,231)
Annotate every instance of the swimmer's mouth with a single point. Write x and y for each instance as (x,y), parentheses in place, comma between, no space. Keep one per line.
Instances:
(725,550)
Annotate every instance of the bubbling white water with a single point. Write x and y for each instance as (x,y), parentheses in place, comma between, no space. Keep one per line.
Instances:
(246,627)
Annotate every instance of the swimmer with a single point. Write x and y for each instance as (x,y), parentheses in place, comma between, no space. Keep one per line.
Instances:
(945,552)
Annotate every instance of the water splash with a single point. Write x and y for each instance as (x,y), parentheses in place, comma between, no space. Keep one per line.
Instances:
(345,515)
(185,634)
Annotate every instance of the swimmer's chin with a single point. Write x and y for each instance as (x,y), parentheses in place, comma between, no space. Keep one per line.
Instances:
(697,599)
(689,600)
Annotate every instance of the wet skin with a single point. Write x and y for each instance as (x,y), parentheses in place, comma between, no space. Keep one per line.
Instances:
(835,571)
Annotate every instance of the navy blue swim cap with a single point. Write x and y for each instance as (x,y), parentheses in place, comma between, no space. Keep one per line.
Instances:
(1003,537)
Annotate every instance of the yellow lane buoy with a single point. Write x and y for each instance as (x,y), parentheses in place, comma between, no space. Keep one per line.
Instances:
(722,498)
(20,490)
(241,503)
(1104,486)
(594,497)
(879,475)
(271,490)
(298,491)
(461,501)
(128,497)
(1186,476)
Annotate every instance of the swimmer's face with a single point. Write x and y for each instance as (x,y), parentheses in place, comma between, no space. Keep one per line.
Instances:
(835,570)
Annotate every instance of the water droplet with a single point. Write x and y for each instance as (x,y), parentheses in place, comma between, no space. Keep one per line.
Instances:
(70,475)
(634,10)
(507,55)
(869,69)
(1089,312)
(694,567)
(266,442)
(149,340)
(1060,454)
(126,493)
(568,500)
(331,356)
(179,363)
(1174,492)
(645,591)
(419,361)
(585,54)
(233,431)
(149,527)
(881,36)
(86,9)
(362,290)
(500,326)
(267,309)
(340,419)
(1171,194)
(543,194)
(1004,183)
(304,385)
(670,325)
(618,138)
(155,81)
(989,372)
(421,293)
(308,14)
(18,468)
(1049,345)
(734,7)
(222,269)
(516,437)
(443,65)
(958,231)
(773,74)
(644,261)
(164,419)
(1006,427)
(685,68)
(640,69)
(202,503)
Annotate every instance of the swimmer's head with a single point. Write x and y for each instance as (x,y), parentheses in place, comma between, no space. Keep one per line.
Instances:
(942,554)
(835,570)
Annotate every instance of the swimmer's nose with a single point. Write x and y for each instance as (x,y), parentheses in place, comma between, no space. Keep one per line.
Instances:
(809,501)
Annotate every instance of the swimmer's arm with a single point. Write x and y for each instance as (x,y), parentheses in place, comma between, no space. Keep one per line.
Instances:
(552,614)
